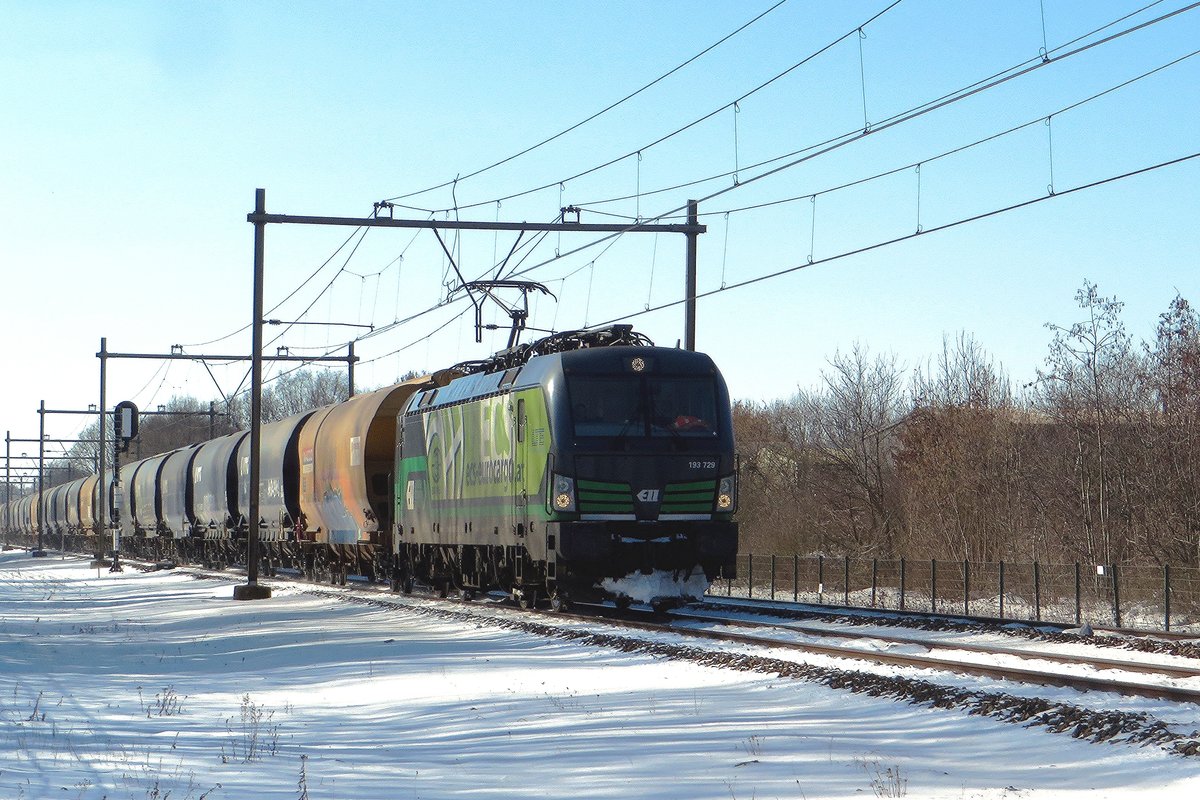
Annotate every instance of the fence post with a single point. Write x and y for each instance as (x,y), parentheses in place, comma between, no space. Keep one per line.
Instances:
(966,587)
(1078,596)
(1037,591)
(1001,590)
(795,577)
(1116,584)
(772,576)
(933,585)
(821,579)
(846,583)
(750,577)
(1167,596)
(901,583)
(874,579)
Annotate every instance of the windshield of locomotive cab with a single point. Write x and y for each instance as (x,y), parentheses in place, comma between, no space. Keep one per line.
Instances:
(643,405)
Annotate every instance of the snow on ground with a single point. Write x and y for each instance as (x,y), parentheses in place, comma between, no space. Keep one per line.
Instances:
(156,685)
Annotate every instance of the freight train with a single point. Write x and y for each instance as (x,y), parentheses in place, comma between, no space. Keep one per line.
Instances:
(587,466)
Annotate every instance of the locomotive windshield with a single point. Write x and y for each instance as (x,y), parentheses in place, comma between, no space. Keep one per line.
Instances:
(643,405)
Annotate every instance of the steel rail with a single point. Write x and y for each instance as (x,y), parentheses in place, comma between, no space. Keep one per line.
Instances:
(829,609)
(1018,674)
(1168,670)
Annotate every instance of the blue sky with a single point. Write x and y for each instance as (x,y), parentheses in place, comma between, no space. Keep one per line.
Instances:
(135,135)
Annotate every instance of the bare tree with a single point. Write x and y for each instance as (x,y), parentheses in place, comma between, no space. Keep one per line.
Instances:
(777,512)
(1085,388)
(294,393)
(1173,473)
(851,424)
(959,465)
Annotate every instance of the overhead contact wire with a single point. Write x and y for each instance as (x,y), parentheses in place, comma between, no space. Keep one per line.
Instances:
(906,237)
(962,148)
(599,113)
(717,176)
(898,119)
(693,123)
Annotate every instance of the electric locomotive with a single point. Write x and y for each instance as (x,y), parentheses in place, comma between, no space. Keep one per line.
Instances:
(586,466)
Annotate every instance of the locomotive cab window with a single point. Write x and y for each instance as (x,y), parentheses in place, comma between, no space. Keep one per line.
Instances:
(643,405)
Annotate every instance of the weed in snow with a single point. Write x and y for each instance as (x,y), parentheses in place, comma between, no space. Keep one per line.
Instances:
(303,784)
(167,703)
(254,737)
(753,745)
(885,782)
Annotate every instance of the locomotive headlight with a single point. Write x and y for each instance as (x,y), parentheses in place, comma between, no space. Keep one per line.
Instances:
(564,493)
(727,494)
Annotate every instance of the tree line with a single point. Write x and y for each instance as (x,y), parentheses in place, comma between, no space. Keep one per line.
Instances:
(1097,460)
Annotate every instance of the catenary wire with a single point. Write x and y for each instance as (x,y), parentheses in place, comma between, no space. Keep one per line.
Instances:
(907,237)
(933,105)
(954,151)
(689,125)
(589,205)
(972,89)
(597,114)
(285,299)
(898,119)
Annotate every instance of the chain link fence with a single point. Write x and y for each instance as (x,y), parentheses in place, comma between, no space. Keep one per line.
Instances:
(1146,597)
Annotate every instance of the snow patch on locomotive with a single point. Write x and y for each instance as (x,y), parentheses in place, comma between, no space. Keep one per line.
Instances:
(659,585)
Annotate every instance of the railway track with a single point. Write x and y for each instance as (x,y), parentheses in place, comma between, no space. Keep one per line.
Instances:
(1097,662)
(1043,677)
(867,613)
(683,623)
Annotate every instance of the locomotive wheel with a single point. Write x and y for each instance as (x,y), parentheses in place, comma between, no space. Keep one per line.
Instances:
(558,602)
(528,599)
